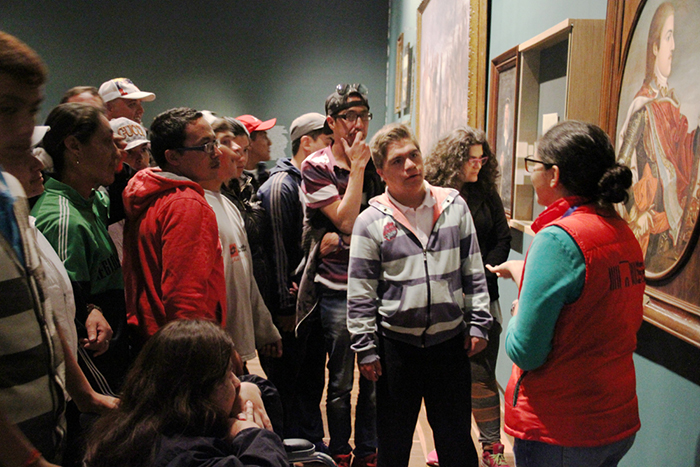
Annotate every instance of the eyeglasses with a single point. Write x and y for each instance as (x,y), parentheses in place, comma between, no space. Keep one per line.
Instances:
(210,148)
(530,168)
(351,117)
(343,89)
(476,162)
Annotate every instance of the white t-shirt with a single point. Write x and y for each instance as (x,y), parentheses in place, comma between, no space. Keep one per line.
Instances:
(248,320)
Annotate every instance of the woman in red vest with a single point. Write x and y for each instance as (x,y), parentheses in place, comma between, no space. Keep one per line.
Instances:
(571,396)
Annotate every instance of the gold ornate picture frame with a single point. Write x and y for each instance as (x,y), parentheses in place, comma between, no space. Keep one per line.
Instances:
(451,67)
(655,129)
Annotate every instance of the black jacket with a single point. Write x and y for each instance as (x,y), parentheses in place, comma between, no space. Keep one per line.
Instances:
(492,229)
(251,447)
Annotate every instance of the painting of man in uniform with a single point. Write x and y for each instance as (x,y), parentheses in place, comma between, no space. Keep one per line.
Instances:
(658,135)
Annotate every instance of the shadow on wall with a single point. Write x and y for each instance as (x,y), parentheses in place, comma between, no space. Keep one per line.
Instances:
(672,353)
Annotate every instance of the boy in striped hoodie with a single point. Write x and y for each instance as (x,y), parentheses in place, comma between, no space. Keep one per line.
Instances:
(418,305)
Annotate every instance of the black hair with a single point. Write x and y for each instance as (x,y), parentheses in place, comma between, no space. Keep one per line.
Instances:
(230,124)
(168,131)
(443,167)
(78,90)
(586,160)
(314,134)
(71,119)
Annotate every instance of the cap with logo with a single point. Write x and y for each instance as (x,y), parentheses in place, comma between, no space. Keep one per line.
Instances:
(134,134)
(124,88)
(255,124)
(338,101)
(305,124)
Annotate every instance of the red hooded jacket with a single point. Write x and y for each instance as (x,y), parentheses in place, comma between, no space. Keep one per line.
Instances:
(172,254)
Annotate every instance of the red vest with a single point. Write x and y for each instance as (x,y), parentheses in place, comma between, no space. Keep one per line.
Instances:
(585,393)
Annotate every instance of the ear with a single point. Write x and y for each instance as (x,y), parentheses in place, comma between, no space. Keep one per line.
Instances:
(331,122)
(73,144)
(172,157)
(554,182)
(380,172)
(304,142)
(655,49)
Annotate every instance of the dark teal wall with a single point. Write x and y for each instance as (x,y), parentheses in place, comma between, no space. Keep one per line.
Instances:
(269,58)
(668,370)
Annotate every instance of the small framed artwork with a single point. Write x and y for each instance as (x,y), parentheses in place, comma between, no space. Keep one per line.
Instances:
(398,83)
(406,79)
(651,111)
(451,67)
(503,107)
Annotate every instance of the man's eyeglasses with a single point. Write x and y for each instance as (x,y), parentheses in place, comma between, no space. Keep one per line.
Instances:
(476,162)
(530,164)
(351,117)
(209,148)
(343,89)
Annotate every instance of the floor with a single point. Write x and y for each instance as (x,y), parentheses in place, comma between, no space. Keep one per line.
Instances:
(423,436)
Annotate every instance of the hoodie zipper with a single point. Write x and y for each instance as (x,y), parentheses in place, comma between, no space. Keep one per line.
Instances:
(427,285)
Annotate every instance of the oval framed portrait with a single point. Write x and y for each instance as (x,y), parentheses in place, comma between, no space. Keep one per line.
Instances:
(658,136)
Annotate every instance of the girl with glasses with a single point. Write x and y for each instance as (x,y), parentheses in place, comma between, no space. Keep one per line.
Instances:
(463,160)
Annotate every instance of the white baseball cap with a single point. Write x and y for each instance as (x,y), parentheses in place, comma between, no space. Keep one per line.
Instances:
(38,134)
(134,133)
(124,88)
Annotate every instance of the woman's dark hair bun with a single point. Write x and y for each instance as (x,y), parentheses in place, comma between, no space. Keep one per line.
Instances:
(614,184)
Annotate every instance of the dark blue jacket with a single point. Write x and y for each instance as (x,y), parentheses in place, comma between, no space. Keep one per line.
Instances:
(280,196)
(251,447)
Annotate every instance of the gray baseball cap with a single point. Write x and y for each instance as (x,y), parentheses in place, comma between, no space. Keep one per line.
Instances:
(305,124)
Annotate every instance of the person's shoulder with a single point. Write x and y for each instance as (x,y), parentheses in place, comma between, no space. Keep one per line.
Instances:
(320,159)
(13,185)
(374,213)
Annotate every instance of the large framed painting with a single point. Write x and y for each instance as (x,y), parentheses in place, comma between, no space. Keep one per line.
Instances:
(451,67)
(503,107)
(653,97)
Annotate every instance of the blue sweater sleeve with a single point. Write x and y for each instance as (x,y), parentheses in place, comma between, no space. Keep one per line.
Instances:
(554,276)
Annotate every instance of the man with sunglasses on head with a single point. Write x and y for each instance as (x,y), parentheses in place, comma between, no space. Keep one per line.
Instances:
(332,182)
(173,266)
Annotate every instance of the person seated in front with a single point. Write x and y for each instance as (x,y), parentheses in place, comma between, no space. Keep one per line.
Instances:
(182,405)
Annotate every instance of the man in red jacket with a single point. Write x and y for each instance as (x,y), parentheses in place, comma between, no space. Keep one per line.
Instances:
(173,266)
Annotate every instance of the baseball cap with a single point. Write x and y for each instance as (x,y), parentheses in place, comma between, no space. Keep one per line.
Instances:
(134,133)
(124,88)
(338,101)
(255,124)
(305,124)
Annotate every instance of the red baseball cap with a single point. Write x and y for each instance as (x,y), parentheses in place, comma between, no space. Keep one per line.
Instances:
(255,124)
